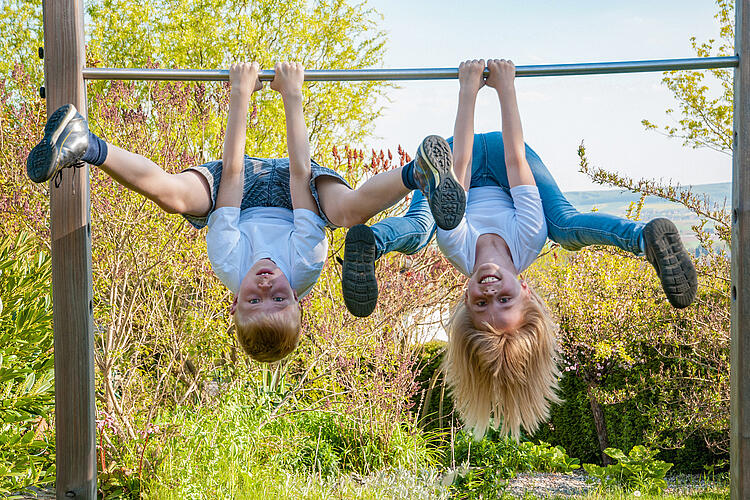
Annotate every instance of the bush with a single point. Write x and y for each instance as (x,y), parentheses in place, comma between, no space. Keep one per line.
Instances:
(638,470)
(571,425)
(485,466)
(26,366)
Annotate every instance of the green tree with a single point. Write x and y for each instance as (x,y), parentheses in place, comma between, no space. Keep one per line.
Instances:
(206,34)
(704,98)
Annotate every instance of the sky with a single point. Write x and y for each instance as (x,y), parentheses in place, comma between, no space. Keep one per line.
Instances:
(557,113)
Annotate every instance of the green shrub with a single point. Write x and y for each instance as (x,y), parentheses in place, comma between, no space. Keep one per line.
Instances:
(26,366)
(571,425)
(638,470)
(486,466)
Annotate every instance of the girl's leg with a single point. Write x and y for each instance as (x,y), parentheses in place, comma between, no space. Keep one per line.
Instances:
(364,245)
(565,225)
(407,234)
(183,193)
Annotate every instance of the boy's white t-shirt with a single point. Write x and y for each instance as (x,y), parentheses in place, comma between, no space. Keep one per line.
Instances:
(517,218)
(294,240)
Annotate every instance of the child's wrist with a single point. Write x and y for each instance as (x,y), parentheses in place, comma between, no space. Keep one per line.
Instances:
(292,95)
(240,91)
(468,92)
(506,90)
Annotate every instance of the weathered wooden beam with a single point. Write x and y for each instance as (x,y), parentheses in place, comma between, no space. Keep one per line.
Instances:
(740,340)
(75,410)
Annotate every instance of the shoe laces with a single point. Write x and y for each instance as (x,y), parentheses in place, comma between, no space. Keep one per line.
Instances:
(57,179)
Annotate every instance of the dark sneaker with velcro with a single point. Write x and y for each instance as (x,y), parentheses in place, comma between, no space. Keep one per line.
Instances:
(665,251)
(358,282)
(66,138)
(433,171)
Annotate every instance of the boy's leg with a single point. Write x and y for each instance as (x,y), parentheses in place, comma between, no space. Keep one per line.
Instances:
(67,141)
(182,193)
(431,172)
(346,207)
(407,234)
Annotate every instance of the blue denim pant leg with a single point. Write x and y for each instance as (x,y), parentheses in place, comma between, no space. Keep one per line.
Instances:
(406,234)
(565,225)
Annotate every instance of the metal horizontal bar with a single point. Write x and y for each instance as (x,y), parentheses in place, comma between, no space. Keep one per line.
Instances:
(599,68)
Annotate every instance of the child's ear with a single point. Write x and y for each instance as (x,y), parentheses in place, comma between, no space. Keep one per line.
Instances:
(233,307)
(295,295)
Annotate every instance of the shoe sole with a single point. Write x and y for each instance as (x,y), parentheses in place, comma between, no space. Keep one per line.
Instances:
(41,162)
(665,251)
(448,200)
(358,283)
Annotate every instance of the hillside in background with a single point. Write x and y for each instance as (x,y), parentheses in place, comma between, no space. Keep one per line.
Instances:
(616,202)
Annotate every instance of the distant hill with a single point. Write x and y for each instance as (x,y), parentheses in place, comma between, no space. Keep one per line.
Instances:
(616,202)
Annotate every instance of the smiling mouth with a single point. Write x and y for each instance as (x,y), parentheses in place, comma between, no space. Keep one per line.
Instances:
(264,272)
(489,279)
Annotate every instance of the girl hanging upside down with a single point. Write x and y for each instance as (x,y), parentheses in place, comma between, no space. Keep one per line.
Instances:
(501,357)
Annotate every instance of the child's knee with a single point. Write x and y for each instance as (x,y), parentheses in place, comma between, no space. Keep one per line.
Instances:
(341,216)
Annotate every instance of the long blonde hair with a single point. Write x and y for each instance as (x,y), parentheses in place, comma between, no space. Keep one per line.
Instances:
(508,376)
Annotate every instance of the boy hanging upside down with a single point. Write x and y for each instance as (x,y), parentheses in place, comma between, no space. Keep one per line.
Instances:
(265,217)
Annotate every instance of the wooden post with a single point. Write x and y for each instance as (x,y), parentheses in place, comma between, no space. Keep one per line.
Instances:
(75,410)
(740,340)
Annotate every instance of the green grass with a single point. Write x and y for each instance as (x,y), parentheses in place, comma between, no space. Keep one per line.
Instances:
(236,451)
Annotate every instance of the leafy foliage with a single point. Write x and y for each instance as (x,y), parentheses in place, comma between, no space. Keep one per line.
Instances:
(638,470)
(26,365)
(705,119)
(486,466)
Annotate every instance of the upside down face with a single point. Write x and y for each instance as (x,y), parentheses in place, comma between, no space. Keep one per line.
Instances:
(264,289)
(494,296)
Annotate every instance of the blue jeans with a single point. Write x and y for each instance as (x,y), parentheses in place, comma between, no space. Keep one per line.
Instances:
(567,226)
(406,234)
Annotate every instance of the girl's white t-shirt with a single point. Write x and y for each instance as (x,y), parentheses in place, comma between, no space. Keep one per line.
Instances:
(294,240)
(517,218)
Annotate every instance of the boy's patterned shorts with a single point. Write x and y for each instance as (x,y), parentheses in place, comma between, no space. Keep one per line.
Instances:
(266,185)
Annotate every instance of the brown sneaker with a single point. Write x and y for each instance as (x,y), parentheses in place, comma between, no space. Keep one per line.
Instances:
(433,171)
(665,251)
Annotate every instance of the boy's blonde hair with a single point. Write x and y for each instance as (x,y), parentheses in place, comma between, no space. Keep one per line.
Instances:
(269,337)
(509,376)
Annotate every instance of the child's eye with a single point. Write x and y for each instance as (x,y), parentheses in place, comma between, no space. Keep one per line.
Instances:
(278,299)
(503,300)
(254,301)
(481,302)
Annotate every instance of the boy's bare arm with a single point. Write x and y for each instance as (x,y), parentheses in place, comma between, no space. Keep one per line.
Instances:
(243,78)
(501,78)
(288,82)
(470,78)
